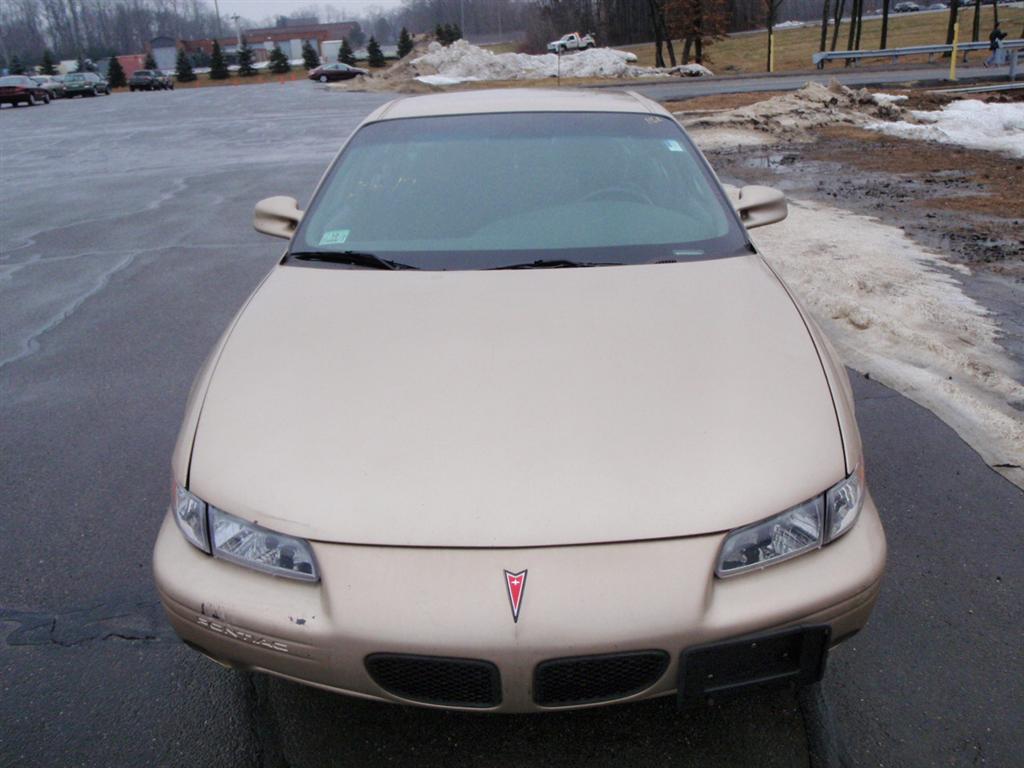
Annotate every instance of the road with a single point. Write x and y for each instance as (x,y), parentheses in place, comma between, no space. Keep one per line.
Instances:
(125,248)
(853,77)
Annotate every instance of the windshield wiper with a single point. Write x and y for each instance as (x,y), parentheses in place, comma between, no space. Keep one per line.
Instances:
(355,258)
(558,264)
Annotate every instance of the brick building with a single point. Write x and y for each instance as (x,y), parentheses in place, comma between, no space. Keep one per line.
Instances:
(289,36)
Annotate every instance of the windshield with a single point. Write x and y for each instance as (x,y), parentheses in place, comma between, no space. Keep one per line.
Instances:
(483,191)
(74,78)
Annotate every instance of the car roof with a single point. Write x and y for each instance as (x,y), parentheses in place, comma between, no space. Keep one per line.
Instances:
(516,100)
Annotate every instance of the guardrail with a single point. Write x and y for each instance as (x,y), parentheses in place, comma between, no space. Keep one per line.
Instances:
(820,58)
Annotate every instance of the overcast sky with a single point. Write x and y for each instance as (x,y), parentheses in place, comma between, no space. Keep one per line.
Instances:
(260,9)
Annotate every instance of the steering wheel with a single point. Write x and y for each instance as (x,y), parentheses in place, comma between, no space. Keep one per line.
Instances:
(606,193)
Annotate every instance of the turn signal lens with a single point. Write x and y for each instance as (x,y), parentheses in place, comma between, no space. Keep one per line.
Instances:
(190,515)
(843,502)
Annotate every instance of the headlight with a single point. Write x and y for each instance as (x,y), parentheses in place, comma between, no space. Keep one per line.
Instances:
(251,545)
(231,538)
(799,529)
(778,538)
(190,515)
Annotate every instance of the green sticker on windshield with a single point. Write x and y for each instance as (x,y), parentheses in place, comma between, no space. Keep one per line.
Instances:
(673,145)
(334,237)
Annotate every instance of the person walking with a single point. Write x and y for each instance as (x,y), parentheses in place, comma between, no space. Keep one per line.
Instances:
(995,44)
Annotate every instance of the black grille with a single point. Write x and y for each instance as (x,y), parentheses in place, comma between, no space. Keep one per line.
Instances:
(583,679)
(437,680)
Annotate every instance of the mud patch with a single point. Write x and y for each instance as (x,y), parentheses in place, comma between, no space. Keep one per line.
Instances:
(795,116)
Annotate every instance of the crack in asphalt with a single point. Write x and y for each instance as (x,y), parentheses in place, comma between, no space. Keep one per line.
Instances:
(263,728)
(824,747)
(122,617)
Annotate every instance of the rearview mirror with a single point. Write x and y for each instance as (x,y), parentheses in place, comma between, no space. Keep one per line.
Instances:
(277,216)
(758,206)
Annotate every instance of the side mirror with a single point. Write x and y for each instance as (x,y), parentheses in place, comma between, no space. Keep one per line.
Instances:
(277,216)
(758,206)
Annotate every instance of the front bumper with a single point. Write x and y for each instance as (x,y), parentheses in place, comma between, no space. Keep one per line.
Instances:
(397,602)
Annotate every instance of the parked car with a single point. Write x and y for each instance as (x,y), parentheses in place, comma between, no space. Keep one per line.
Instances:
(53,84)
(939,6)
(574,41)
(330,72)
(458,376)
(19,89)
(150,80)
(85,84)
(906,7)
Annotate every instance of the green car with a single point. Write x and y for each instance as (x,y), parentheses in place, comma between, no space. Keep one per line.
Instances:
(85,84)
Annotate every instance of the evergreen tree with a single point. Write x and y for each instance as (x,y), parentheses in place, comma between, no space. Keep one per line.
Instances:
(279,63)
(80,65)
(456,33)
(310,58)
(218,67)
(375,54)
(49,67)
(245,68)
(345,53)
(115,74)
(184,67)
(440,35)
(17,68)
(405,43)
(150,61)
(449,34)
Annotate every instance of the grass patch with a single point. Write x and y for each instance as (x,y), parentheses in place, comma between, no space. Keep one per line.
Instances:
(261,76)
(501,47)
(747,53)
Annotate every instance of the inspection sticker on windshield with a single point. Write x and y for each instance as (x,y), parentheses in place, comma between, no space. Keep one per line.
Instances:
(673,145)
(334,237)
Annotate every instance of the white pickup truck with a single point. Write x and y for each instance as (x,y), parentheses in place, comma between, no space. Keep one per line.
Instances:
(574,41)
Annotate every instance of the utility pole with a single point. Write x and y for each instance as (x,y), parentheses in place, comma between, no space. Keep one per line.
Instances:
(238,28)
(216,8)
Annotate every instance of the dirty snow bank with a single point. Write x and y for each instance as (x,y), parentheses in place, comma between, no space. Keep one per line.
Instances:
(462,61)
(894,311)
(793,116)
(969,123)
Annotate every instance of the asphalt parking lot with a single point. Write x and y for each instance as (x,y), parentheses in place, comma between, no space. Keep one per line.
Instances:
(125,248)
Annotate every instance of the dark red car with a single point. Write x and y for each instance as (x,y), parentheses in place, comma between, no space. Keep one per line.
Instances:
(18,89)
(339,71)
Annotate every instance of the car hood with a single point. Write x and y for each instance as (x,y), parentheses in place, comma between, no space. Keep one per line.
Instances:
(516,408)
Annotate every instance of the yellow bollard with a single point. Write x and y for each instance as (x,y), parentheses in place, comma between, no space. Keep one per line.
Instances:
(952,58)
(771,51)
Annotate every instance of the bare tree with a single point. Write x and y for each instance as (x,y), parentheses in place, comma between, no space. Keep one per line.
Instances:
(885,24)
(824,24)
(771,16)
(837,22)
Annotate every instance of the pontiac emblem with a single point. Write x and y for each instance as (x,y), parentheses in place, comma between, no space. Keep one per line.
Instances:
(516,584)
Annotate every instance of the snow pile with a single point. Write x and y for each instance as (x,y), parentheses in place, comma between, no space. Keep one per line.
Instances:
(896,312)
(969,123)
(887,99)
(789,25)
(462,61)
(688,70)
(793,115)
